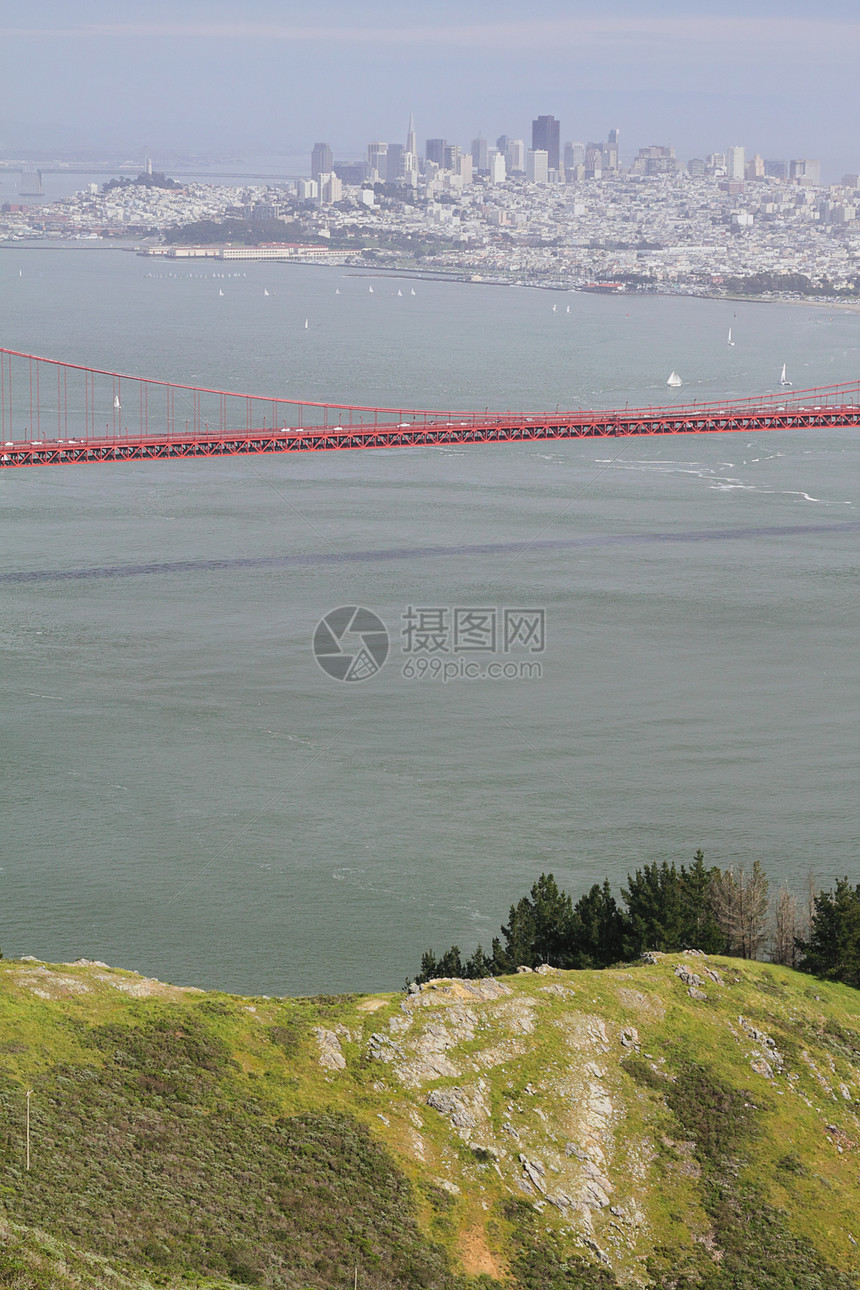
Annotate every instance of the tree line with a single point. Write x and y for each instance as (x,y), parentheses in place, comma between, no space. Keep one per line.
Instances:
(666,908)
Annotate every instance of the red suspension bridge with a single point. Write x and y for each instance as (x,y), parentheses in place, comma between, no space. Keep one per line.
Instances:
(53,412)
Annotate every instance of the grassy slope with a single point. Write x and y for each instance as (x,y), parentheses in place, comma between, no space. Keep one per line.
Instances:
(182,1138)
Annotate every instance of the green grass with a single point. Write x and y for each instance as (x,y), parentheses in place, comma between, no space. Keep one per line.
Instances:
(186,1139)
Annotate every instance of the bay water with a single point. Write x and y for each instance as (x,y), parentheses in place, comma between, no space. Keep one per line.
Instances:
(187,792)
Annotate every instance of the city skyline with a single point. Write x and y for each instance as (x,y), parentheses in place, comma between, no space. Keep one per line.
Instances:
(558,160)
(193,77)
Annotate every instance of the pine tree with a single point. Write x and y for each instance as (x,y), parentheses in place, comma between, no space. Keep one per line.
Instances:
(653,896)
(597,930)
(700,929)
(537,927)
(833,948)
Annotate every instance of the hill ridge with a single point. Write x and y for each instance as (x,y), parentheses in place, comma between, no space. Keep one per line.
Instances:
(684,1120)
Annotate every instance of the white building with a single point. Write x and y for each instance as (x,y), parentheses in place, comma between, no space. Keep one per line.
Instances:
(515,155)
(736,162)
(537,166)
(330,189)
(498,173)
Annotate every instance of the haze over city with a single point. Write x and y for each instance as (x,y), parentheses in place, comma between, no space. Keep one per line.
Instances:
(191,76)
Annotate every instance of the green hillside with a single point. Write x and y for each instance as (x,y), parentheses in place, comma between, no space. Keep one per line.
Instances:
(684,1122)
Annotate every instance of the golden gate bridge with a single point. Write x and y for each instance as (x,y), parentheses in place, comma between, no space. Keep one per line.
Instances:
(54,413)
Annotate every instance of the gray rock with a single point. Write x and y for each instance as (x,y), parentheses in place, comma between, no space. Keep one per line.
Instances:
(382,1049)
(454,1103)
(534,1171)
(330,1052)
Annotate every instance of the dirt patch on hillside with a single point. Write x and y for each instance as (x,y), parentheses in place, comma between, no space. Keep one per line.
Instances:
(477,1257)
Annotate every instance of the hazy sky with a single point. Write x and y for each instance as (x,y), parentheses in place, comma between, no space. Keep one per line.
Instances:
(274,76)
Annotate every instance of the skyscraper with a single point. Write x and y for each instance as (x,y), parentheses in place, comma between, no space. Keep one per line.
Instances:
(434,150)
(395,163)
(321,160)
(806,173)
(377,159)
(574,157)
(546,134)
(480,158)
(736,162)
(610,152)
(515,156)
(496,163)
(537,164)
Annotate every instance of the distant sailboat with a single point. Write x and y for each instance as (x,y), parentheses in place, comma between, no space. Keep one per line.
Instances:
(306,324)
(783,379)
(412,291)
(567,310)
(220,292)
(265,292)
(729,340)
(674,380)
(370,290)
(117,406)
(337,291)
(399,292)
(554,308)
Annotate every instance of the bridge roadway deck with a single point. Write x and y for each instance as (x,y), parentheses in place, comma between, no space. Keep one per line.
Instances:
(425,432)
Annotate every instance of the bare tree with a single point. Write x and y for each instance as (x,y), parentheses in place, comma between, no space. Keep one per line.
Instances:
(804,921)
(741,908)
(787,920)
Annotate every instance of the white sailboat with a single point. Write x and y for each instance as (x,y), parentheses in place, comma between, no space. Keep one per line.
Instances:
(117,406)
(265,292)
(783,379)
(306,324)
(554,308)
(412,291)
(399,292)
(370,291)
(337,291)
(674,380)
(729,340)
(220,292)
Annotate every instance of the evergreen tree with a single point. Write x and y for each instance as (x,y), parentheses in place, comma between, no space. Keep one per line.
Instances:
(479,965)
(653,896)
(700,929)
(449,964)
(597,930)
(833,948)
(537,928)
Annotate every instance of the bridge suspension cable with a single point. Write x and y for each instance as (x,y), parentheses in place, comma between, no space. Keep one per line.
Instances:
(53,412)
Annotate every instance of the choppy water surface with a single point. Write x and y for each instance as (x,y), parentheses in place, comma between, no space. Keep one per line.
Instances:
(188,793)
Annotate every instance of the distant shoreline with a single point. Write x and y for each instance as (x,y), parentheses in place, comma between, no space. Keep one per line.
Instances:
(443,275)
